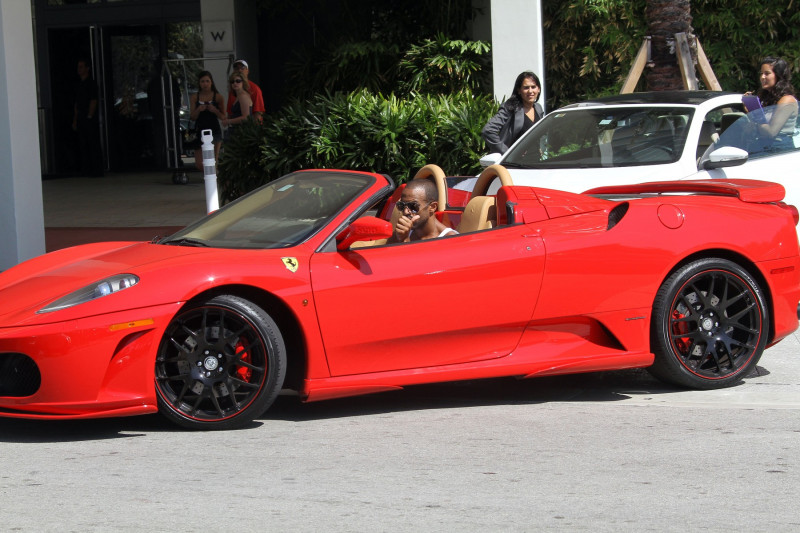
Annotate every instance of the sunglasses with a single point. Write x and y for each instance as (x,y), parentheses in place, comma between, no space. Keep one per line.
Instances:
(236,81)
(414,206)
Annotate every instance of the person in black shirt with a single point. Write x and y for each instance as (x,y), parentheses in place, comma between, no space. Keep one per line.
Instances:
(85,122)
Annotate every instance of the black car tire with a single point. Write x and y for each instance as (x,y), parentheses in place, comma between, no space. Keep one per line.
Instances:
(220,364)
(709,326)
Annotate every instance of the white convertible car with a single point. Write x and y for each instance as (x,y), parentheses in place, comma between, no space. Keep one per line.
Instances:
(639,137)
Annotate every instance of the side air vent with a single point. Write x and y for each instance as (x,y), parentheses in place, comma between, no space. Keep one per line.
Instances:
(19,375)
(616,214)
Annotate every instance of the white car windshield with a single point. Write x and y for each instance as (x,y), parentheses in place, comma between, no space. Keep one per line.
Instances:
(604,137)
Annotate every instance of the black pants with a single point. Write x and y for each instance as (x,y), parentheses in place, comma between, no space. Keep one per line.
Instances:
(90,152)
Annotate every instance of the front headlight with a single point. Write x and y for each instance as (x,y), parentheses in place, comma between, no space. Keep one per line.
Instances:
(96,290)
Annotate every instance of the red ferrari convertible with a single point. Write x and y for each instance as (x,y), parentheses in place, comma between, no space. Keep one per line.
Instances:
(294,287)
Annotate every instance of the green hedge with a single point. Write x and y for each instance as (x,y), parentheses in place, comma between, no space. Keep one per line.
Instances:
(358,131)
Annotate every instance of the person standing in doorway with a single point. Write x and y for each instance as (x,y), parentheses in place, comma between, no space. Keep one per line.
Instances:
(85,121)
(240,65)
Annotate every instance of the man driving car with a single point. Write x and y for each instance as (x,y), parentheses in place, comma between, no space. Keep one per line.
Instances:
(417,206)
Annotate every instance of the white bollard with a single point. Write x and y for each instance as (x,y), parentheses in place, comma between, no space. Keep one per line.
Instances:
(209,171)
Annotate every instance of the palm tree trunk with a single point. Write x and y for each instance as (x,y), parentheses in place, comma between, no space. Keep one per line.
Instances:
(665,18)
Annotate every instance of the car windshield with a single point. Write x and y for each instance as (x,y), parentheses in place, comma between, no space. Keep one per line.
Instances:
(604,137)
(283,213)
(740,131)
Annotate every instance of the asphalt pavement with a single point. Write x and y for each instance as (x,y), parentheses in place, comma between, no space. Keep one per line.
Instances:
(598,452)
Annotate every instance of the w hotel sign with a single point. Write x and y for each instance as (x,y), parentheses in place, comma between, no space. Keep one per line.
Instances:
(218,36)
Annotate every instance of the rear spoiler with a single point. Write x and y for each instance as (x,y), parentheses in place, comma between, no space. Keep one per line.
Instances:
(751,191)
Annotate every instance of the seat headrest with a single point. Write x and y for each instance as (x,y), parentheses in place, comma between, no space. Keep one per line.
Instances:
(480,214)
(729,118)
(707,129)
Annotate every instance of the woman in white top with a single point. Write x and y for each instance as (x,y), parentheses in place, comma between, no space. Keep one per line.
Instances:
(778,95)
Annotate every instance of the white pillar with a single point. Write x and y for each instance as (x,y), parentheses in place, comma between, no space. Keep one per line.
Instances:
(219,39)
(229,27)
(21,211)
(517,44)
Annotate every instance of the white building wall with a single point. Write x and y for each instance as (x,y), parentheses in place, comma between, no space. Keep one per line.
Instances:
(218,16)
(517,44)
(21,211)
(238,19)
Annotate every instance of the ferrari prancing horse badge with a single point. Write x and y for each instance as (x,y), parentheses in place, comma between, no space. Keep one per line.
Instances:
(290,263)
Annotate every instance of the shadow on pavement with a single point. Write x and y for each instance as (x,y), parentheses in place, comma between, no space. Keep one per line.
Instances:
(592,387)
(39,431)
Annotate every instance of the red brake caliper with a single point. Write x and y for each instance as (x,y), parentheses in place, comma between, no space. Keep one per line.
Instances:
(243,372)
(680,328)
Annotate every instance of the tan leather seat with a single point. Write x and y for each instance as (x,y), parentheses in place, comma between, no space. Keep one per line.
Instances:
(481,210)
(672,123)
(437,176)
(708,136)
(368,244)
(480,214)
(728,119)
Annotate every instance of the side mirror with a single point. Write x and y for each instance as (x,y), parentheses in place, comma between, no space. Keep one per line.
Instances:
(490,159)
(364,229)
(727,156)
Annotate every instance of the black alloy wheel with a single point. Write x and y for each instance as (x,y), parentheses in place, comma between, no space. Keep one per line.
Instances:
(709,326)
(220,364)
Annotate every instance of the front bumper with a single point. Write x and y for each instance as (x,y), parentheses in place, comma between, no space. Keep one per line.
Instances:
(91,367)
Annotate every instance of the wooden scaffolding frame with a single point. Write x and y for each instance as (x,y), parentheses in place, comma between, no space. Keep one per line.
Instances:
(685,64)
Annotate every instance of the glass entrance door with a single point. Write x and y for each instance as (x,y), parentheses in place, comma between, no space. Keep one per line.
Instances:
(131,63)
(66,47)
(134,130)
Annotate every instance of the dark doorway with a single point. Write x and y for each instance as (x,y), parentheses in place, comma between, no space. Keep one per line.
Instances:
(131,64)
(125,41)
(126,66)
(66,47)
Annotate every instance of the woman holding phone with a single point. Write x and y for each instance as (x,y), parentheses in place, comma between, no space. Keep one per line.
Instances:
(207,109)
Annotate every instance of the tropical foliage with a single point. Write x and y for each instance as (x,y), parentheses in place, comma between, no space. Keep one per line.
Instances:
(357,44)
(737,34)
(360,130)
(590,45)
(445,66)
